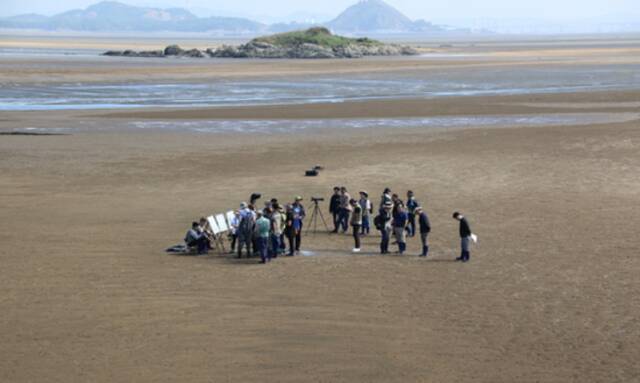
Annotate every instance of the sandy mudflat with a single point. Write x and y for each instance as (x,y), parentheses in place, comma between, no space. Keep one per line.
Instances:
(552,293)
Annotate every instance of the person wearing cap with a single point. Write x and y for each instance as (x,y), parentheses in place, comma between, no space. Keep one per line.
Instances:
(385,220)
(263,231)
(345,209)
(412,204)
(425,229)
(334,208)
(365,204)
(277,227)
(356,223)
(465,237)
(400,219)
(298,218)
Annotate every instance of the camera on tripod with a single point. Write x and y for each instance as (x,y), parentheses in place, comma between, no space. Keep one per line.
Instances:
(317,212)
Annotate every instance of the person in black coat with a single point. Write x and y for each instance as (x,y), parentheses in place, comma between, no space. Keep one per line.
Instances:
(465,237)
(334,208)
(425,229)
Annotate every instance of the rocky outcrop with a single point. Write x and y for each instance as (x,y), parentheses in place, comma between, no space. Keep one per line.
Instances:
(170,51)
(257,49)
(265,51)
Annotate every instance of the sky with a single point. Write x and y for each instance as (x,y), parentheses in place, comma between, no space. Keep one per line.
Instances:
(432,10)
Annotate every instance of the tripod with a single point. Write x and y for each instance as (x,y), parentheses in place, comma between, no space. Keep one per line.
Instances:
(313,222)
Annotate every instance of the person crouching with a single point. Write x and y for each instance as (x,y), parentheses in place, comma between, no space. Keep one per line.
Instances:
(196,238)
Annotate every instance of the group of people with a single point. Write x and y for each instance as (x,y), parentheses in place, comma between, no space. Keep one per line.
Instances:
(263,231)
(394,217)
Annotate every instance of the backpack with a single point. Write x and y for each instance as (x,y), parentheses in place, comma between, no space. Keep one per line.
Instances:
(245,228)
(378,222)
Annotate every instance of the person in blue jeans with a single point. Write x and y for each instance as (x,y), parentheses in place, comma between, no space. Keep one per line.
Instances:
(263,232)
(465,237)
(277,229)
(400,220)
(412,204)
(345,209)
(365,205)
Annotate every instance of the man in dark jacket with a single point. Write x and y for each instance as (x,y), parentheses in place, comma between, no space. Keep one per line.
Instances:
(412,204)
(465,237)
(334,208)
(425,229)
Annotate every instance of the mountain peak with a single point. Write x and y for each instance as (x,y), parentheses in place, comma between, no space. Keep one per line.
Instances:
(371,15)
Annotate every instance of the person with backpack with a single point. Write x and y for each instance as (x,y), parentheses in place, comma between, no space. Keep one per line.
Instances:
(356,223)
(412,204)
(365,204)
(245,229)
(425,229)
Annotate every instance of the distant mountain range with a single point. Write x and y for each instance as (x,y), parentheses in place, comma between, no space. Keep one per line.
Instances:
(111,16)
(367,16)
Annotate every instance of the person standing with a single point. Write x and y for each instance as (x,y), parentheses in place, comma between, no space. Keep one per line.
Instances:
(289,230)
(425,229)
(277,228)
(412,204)
(345,209)
(334,208)
(465,237)
(396,203)
(365,204)
(245,229)
(400,219)
(263,231)
(233,230)
(298,218)
(384,225)
(356,223)
(385,198)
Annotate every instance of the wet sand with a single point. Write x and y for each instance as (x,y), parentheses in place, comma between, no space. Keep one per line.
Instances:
(551,294)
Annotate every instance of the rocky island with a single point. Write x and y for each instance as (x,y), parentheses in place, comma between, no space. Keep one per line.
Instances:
(313,43)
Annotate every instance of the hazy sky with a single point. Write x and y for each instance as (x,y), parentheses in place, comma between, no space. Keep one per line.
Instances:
(435,10)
